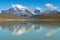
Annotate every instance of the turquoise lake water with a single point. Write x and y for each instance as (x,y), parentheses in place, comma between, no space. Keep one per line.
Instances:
(29,30)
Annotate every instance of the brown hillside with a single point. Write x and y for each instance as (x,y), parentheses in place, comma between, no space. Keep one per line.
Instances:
(9,16)
(50,16)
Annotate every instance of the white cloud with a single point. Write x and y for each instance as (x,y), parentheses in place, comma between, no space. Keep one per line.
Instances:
(38,8)
(48,5)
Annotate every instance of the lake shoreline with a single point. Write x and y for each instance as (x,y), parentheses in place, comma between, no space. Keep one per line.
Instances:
(29,20)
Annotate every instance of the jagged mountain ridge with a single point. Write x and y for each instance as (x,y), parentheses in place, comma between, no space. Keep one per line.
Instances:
(22,11)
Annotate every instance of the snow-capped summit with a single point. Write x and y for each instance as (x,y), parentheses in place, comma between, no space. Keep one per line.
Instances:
(19,10)
(18,6)
(22,8)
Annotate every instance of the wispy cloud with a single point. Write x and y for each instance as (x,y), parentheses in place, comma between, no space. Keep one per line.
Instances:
(48,5)
(38,8)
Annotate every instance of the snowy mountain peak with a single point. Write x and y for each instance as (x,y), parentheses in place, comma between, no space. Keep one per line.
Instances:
(20,10)
(18,6)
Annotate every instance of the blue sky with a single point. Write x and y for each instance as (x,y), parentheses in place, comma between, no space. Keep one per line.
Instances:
(6,4)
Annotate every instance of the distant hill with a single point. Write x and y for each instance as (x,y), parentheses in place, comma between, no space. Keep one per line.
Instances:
(8,16)
(50,16)
(46,16)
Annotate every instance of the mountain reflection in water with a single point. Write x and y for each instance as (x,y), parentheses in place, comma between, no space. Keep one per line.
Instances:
(20,28)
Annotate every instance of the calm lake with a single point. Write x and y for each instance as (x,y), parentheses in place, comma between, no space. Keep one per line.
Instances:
(29,30)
